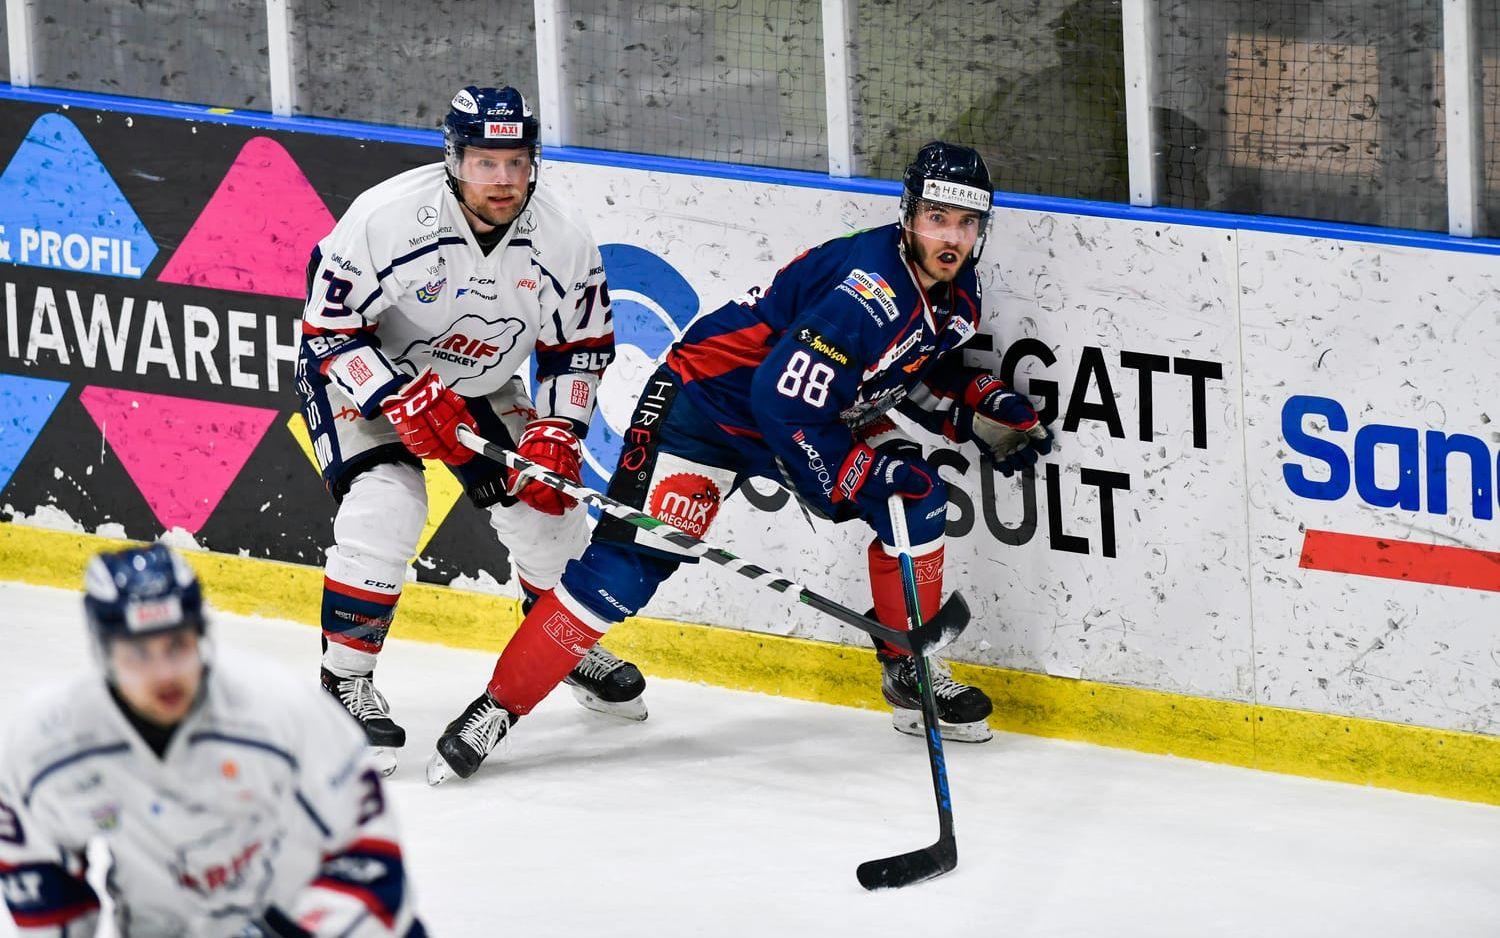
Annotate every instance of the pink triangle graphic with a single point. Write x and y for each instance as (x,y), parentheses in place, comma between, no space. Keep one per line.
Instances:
(182,454)
(256,233)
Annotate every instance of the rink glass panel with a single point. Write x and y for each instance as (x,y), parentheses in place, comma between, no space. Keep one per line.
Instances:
(1326,110)
(1488,48)
(200,51)
(1037,86)
(738,81)
(398,62)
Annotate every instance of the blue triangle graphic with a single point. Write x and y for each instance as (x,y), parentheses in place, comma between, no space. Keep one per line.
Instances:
(60,208)
(26,404)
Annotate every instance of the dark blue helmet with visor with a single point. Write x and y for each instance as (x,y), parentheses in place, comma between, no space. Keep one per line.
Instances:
(489,119)
(138,592)
(951,175)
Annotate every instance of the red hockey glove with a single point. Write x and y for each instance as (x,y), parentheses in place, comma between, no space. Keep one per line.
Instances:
(869,478)
(551,444)
(1002,422)
(427,416)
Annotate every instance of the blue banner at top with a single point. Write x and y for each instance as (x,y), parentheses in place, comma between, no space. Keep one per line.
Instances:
(60,208)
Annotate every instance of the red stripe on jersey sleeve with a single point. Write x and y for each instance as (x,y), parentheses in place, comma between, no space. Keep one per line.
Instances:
(743,348)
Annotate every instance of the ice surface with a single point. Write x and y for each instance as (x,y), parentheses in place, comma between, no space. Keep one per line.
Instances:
(735,814)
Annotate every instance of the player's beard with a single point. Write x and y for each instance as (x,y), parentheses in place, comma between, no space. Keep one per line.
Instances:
(475,202)
(918,249)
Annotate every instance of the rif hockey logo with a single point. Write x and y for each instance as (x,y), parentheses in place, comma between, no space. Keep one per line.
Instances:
(687,501)
(470,347)
(197,868)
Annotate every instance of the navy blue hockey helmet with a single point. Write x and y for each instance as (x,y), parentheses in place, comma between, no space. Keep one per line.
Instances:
(488,118)
(949,174)
(140,591)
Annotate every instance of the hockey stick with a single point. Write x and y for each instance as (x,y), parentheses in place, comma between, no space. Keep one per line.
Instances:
(942,628)
(919,865)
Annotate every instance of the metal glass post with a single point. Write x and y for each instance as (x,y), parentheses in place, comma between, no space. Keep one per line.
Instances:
(1462,94)
(18,39)
(551,77)
(1139,20)
(838,90)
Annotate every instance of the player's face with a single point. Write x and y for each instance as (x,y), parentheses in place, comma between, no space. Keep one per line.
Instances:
(941,238)
(158,675)
(493,183)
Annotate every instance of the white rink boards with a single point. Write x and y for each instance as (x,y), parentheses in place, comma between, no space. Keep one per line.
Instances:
(1161,546)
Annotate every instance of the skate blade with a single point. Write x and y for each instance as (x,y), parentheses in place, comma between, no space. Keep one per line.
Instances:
(910,723)
(634,710)
(438,770)
(385,759)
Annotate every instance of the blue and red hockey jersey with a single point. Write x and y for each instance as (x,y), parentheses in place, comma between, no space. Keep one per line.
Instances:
(843,334)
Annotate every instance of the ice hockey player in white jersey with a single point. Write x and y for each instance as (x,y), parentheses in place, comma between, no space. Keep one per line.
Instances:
(232,799)
(425,304)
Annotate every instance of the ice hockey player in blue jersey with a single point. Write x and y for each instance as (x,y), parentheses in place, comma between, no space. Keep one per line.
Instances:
(231,798)
(794,384)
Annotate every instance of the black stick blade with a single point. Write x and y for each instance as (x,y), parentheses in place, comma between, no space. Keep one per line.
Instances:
(946,624)
(908,869)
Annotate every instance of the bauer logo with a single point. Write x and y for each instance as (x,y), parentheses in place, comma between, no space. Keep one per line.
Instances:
(60,208)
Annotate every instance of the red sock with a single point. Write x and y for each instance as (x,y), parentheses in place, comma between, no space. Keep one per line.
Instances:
(886,589)
(549,644)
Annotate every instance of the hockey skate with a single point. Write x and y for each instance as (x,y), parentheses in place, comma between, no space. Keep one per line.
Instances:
(368,706)
(962,709)
(468,739)
(608,684)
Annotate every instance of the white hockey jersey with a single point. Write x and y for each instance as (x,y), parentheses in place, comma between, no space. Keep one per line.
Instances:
(267,796)
(402,284)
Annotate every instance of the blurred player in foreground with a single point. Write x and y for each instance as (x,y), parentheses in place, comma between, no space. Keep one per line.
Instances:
(231,799)
(434,293)
(794,383)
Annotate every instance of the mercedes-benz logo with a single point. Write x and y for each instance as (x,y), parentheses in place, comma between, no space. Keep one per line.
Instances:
(427,215)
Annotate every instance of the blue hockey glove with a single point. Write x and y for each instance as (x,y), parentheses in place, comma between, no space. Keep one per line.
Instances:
(868,478)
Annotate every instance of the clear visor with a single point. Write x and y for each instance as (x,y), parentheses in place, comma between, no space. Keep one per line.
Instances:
(939,224)
(170,656)
(484,166)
